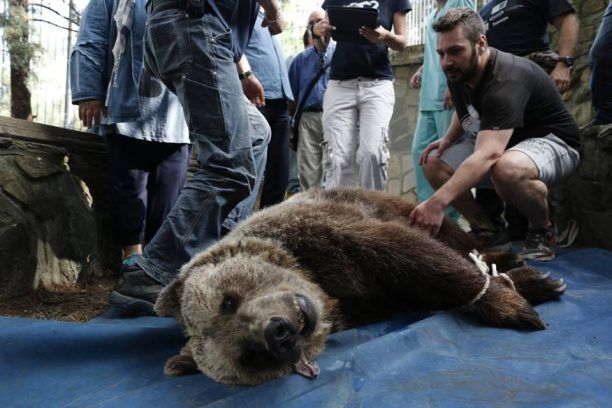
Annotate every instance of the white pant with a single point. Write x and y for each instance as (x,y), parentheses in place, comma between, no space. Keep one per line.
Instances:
(356,116)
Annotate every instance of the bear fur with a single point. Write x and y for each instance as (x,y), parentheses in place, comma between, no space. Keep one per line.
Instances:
(262,301)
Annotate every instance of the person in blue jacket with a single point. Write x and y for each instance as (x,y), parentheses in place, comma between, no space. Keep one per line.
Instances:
(146,134)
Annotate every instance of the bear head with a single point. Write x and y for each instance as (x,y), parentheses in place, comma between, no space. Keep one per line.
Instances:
(250,312)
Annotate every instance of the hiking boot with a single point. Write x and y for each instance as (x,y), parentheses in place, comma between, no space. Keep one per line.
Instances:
(491,240)
(540,244)
(136,292)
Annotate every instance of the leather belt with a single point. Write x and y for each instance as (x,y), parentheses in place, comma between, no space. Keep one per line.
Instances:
(156,6)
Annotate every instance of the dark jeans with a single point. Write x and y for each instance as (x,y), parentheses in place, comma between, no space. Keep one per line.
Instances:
(145,180)
(277,166)
(193,56)
(600,62)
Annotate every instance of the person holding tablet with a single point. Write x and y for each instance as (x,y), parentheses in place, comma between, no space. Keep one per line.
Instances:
(359,100)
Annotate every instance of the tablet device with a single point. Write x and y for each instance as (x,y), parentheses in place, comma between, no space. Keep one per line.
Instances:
(348,20)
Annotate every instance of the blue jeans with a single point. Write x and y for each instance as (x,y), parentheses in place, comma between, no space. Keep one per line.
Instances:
(600,62)
(194,58)
(260,133)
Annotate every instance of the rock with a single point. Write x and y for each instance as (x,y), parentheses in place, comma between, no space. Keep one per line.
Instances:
(596,154)
(590,189)
(17,244)
(47,226)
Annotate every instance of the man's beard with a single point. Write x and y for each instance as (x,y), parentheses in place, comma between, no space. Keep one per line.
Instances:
(467,74)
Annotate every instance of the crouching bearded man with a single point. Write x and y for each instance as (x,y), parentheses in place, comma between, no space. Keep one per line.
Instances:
(511,131)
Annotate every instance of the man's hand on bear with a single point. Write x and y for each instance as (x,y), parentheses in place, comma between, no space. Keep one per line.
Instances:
(428,216)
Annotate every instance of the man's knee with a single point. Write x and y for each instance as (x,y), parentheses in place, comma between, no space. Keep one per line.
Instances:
(436,169)
(512,169)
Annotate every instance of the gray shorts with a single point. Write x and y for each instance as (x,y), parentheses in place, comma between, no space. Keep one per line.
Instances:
(554,159)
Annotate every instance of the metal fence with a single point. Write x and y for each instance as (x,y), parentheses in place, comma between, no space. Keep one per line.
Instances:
(415,27)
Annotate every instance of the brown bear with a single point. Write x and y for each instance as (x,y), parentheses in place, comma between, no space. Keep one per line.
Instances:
(262,301)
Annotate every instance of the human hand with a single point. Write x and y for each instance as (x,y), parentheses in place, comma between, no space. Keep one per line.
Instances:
(89,112)
(376,35)
(439,145)
(561,77)
(428,216)
(448,100)
(253,90)
(323,28)
(415,81)
(275,23)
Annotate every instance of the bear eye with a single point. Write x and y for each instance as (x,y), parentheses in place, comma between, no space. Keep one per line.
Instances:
(229,304)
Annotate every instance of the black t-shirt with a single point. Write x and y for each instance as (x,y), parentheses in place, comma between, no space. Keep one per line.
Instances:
(521,26)
(514,93)
(352,60)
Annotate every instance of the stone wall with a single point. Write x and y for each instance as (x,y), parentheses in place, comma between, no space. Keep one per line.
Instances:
(53,207)
(403,123)
(589,191)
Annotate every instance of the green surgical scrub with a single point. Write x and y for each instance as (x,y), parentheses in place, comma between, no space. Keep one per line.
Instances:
(433,118)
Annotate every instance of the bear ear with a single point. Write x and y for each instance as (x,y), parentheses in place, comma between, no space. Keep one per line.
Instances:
(168,303)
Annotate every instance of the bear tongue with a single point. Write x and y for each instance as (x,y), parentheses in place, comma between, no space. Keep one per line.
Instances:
(309,369)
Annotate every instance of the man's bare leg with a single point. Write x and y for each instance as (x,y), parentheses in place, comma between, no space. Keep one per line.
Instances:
(131,250)
(515,177)
(437,173)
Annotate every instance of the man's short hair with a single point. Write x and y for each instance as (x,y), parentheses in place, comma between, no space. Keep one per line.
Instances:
(465,17)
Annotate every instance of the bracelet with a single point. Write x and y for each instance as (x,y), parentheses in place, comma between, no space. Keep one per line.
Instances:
(280,13)
(245,75)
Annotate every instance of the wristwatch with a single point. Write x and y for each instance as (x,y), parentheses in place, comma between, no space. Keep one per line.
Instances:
(244,75)
(569,61)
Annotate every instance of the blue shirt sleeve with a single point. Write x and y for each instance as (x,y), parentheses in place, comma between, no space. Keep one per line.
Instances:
(294,77)
(89,58)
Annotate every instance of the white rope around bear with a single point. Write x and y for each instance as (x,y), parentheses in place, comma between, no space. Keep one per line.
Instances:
(484,269)
(504,276)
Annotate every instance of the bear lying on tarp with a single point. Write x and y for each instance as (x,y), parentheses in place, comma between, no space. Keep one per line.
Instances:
(262,301)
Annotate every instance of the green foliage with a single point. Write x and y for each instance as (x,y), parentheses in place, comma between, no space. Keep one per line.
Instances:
(17,33)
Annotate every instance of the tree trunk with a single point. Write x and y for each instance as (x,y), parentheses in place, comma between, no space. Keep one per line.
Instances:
(17,36)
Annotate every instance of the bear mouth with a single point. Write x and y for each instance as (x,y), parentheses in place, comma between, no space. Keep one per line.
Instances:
(307,315)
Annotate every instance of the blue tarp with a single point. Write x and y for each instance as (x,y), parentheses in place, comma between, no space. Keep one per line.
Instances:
(443,359)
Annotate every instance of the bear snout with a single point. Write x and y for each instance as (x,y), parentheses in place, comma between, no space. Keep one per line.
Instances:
(281,337)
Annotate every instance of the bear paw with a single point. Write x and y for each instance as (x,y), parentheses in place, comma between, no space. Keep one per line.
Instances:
(536,287)
(180,365)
